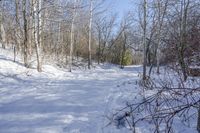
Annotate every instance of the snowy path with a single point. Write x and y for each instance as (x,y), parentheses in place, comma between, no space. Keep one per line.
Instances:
(56,101)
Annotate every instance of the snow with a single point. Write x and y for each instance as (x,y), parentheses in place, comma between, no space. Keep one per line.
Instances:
(57,101)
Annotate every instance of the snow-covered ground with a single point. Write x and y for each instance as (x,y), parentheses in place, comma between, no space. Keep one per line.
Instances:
(57,101)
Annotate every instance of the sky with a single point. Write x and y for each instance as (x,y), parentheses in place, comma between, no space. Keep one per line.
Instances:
(121,6)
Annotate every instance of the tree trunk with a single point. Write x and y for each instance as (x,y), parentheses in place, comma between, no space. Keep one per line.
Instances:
(159,38)
(161,15)
(16,29)
(182,45)
(99,47)
(158,55)
(31,29)
(25,43)
(37,31)
(3,36)
(39,38)
(90,36)
(2,30)
(72,40)
(144,41)
(123,51)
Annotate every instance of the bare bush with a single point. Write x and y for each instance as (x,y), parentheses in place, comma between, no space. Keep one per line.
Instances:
(163,103)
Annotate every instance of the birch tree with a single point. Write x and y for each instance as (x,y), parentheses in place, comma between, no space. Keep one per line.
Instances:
(74,13)
(90,35)
(37,31)
(2,30)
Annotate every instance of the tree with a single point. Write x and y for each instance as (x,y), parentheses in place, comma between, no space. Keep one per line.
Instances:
(183,41)
(90,35)
(2,28)
(144,39)
(104,28)
(17,30)
(159,8)
(37,31)
(74,13)
(25,41)
(162,8)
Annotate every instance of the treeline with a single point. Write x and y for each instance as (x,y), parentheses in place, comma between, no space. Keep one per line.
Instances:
(63,31)
(154,32)
(169,34)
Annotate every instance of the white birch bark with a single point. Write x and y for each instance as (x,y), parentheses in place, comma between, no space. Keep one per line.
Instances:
(74,13)
(2,30)
(90,35)
(37,31)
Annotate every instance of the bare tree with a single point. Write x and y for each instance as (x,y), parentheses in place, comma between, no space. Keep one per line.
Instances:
(74,13)
(104,29)
(17,38)
(144,39)
(25,41)
(2,28)
(37,31)
(90,35)
(182,45)
(162,8)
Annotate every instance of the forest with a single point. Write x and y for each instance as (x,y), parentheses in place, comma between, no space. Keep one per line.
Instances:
(77,66)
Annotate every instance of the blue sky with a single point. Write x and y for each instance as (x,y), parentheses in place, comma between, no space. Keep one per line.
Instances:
(120,7)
